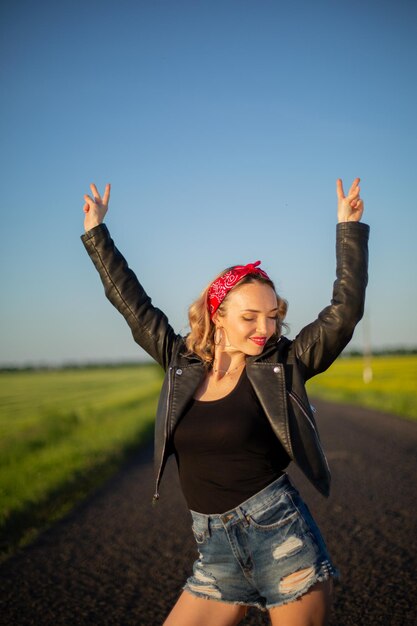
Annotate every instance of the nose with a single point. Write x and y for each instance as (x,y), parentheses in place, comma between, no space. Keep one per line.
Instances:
(261,327)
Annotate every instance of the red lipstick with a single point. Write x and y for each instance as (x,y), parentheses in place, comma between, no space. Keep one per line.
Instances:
(260,341)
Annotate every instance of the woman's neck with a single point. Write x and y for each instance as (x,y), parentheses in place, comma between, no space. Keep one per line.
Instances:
(226,364)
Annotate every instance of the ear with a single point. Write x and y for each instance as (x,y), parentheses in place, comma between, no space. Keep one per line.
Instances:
(215,319)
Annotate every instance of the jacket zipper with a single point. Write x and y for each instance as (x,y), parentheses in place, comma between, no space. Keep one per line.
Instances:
(155,497)
(298,401)
(301,406)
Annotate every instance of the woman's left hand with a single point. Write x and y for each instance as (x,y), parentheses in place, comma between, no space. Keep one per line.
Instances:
(350,207)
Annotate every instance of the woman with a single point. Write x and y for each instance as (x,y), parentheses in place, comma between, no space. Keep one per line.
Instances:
(234,411)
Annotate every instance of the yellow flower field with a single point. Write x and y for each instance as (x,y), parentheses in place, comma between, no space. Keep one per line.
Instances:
(392,388)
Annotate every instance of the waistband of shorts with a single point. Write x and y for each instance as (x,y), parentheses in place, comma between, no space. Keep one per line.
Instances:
(252,505)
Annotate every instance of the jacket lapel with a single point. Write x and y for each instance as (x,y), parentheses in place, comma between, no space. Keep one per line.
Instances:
(186,379)
(268,381)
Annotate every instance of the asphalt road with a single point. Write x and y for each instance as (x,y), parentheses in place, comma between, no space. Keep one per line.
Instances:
(116,560)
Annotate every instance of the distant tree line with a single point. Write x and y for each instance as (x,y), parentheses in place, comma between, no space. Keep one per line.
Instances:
(76,366)
(396,351)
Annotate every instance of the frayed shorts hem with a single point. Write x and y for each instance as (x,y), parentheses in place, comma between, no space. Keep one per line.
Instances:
(320,578)
(206,596)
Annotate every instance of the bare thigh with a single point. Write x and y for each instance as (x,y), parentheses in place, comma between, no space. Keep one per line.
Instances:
(310,609)
(192,611)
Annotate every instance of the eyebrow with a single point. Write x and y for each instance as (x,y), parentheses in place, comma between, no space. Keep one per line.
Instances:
(257,311)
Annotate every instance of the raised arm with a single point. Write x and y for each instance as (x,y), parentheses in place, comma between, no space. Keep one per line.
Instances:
(150,327)
(319,343)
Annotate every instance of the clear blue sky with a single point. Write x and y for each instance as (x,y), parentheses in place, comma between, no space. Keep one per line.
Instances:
(222,126)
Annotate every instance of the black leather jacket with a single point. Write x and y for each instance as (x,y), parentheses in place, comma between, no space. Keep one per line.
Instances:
(278,374)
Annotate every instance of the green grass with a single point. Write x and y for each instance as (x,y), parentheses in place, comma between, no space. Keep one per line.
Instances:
(393,388)
(61,434)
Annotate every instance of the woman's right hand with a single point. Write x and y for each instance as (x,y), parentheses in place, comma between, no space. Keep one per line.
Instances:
(95,208)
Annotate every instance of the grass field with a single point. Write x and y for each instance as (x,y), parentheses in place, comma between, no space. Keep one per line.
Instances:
(61,434)
(393,388)
(64,432)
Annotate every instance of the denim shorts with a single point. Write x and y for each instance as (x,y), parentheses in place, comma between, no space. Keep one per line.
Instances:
(247,553)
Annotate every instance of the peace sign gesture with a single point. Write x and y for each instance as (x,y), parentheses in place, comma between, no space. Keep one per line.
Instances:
(350,207)
(95,209)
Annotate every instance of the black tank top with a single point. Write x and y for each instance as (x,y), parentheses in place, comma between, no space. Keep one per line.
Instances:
(226,450)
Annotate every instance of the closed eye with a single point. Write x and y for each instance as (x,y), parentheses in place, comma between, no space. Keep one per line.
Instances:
(252,319)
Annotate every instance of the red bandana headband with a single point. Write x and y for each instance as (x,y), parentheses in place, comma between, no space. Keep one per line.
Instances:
(221,287)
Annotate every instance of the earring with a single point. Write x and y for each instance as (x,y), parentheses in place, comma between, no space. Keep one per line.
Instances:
(218,336)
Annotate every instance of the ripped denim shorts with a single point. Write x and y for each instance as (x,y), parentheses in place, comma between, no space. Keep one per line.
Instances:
(266,552)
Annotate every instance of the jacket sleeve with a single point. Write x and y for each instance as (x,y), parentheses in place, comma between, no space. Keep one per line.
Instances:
(150,327)
(319,343)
